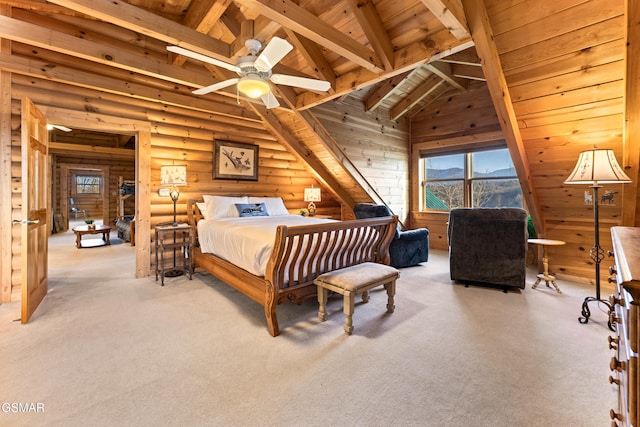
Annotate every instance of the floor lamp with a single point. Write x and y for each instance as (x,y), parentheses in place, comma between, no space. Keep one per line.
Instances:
(596,167)
(174,176)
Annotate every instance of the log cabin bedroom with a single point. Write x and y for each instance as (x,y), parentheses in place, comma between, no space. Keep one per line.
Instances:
(435,201)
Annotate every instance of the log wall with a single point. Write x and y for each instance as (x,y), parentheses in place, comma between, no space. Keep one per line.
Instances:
(179,136)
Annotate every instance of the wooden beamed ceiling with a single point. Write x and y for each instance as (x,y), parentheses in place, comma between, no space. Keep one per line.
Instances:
(395,57)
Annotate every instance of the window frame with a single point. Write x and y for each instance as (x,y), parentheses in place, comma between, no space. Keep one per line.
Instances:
(467,179)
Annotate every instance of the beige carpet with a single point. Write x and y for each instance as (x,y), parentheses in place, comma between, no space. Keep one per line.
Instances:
(105,349)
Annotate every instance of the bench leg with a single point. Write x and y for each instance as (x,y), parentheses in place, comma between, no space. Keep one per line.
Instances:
(349,304)
(322,301)
(391,291)
(365,296)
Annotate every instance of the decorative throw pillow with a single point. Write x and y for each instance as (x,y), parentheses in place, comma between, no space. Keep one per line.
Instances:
(275,205)
(252,209)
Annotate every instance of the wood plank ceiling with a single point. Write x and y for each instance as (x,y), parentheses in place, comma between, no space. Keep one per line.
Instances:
(384,51)
(394,55)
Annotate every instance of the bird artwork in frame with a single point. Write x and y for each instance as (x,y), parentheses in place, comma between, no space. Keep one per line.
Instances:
(235,160)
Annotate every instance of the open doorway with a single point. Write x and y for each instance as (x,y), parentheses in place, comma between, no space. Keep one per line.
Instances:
(88,191)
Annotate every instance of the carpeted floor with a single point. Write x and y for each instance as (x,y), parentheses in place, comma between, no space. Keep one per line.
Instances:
(105,349)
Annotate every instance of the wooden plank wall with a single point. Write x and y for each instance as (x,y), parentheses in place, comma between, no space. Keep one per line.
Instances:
(376,145)
(564,66)
(455,121)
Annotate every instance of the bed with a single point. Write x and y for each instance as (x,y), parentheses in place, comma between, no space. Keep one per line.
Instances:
(295,256)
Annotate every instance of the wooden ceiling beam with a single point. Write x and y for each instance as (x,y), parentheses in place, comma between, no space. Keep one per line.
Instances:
(303,154)
(481,32)
(45,38)
(92,150)
(433,83)
(75,77)
(290,15)
(432,49)
(202,16)
(382,91)
(368,18)
(312,54)
(470,72)
(451,14)
(443,70)
(465,57)
(150,24)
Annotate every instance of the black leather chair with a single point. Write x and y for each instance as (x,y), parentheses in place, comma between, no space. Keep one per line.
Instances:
(488,245)
(407,248)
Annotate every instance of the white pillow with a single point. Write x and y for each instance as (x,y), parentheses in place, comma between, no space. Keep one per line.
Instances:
(222,206)
(203,208)
(275,205)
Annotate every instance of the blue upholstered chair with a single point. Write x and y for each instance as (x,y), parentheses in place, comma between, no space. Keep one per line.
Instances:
(407,248)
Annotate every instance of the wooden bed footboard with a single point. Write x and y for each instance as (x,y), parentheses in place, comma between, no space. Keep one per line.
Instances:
(299,255)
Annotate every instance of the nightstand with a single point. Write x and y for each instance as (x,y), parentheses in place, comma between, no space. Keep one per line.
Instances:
(179,239)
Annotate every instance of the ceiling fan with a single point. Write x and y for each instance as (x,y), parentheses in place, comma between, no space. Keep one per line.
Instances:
(59,127)
(255,71)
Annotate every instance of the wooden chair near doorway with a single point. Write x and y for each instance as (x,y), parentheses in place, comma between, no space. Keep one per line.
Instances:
(74,210)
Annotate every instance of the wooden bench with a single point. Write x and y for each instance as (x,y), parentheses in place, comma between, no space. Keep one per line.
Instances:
(354,280)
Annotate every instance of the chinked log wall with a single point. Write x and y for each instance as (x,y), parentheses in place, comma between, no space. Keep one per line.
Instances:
(179,136)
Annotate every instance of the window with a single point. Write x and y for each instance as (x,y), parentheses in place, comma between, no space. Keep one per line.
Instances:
(88,184)
(471,179)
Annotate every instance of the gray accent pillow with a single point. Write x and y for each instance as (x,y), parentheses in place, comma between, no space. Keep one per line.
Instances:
(252,209)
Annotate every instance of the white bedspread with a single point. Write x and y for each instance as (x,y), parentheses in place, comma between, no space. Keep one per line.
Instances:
(246,242)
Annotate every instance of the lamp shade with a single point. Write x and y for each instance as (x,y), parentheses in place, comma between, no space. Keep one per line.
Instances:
(597,167)
(173,175)
(253,86)
(312,194)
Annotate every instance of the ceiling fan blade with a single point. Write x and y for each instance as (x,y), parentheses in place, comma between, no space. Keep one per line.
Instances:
(209,60)
(272,54)
(269,100)
(301,82)
(216,86)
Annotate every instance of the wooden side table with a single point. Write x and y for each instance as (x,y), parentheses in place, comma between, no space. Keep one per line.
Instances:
(178,238)
(545,262)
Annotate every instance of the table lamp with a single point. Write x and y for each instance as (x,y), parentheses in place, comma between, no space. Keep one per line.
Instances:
(174,176)
(312,195)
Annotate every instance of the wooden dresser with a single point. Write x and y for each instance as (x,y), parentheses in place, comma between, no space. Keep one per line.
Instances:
(624,315)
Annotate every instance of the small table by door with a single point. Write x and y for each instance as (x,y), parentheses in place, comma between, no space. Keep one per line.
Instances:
(81,230)
(545,262)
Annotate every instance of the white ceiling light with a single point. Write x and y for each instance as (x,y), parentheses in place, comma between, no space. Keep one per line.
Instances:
(253,86)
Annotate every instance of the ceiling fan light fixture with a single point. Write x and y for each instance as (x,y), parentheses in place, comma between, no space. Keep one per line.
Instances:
(253,86)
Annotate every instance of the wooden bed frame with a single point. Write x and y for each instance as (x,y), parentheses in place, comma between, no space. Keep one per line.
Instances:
(294,263)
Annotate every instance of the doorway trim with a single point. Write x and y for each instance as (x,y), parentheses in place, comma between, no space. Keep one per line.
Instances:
(142,132)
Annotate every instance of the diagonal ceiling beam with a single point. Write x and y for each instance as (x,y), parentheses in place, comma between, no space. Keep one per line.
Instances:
(202,16)
(294,17)
(303,154)
(451,14)
(45,38)
(487,51)
(152,25)
(368,18)
(312,54)
(432,84)
(437,46)
(443,70)
(384,89)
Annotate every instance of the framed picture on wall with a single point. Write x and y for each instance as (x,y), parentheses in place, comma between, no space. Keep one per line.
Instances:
(235,160)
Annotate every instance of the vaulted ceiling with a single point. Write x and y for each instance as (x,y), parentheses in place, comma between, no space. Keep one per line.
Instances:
(398,56)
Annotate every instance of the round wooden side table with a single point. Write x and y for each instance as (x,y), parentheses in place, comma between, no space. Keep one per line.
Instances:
(545,262)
